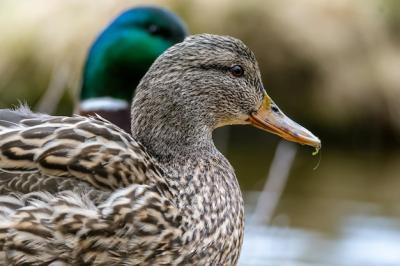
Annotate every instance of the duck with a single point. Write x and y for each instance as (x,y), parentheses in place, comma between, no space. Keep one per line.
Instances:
(120,56)
(162,195)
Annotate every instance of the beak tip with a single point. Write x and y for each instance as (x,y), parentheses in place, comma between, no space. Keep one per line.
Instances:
(318,144)
(314,141)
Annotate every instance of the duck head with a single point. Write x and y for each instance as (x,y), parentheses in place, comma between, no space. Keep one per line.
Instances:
(121,55)
(205,82)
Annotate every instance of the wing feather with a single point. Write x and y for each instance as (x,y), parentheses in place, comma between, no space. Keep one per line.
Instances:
(41,149)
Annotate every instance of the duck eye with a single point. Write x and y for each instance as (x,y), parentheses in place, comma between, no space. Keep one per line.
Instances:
(157,30)
(237,71)
(154,29)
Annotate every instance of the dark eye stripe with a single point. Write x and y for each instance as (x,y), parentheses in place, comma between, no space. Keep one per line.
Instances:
(235,70)
(215,66)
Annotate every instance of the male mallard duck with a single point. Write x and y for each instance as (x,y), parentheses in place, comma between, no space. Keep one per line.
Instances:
(119,58)
(172,197)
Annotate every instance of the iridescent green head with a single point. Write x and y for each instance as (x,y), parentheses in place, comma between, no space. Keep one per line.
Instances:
(122,54)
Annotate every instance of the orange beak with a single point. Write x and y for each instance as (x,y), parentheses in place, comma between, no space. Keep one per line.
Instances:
(270,118)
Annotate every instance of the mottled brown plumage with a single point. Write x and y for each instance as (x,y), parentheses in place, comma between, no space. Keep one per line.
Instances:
(80,191)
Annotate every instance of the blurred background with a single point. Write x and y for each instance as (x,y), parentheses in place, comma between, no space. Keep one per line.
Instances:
(332,66)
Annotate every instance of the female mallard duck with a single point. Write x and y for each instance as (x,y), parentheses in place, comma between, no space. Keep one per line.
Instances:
(172,197)
(119,58)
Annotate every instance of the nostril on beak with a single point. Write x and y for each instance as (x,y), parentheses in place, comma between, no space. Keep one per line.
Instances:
(275,109)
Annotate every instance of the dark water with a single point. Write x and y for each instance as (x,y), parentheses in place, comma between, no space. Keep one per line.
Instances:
(345,213)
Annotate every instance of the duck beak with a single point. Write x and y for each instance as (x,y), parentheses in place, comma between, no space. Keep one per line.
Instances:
(270,118)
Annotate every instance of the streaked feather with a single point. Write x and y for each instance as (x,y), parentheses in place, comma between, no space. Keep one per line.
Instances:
(69,229)
(58,153)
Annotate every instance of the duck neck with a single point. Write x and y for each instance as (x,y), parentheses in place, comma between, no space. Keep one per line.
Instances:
(103,77)
(107,88)
(170,131)
(173,143)
(203,183)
